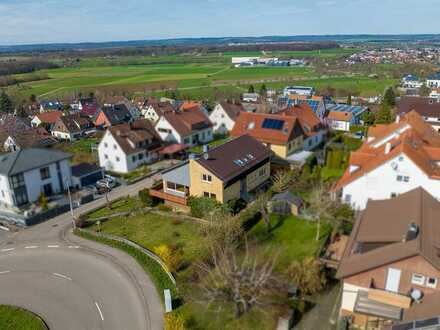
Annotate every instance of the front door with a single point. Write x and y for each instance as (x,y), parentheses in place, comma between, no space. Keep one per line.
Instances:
(393,280)
(48,189)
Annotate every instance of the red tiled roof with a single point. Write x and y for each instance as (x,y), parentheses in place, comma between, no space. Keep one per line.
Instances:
(188,121)
(49,117)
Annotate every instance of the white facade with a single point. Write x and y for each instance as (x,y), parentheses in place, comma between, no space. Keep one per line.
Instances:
(150,113)
(66,136)
(299,90)
(221,121)
(339,125)
(35,184)
(169,134)
(433,83)
(394,177)
(349,296)
(35,122)
(113,158)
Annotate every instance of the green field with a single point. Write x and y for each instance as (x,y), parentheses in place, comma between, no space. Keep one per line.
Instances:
(196,75)
(13,318)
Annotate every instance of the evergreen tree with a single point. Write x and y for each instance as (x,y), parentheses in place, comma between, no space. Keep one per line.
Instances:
(424,91)
(263,90)
(384,115)
(32,98)
(251,89)
(389,97)
(5,103)
(349,102)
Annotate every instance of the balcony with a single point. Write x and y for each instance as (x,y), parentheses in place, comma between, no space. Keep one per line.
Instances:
(383,304)
(158,192)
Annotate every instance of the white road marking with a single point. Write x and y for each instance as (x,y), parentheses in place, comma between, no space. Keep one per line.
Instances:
(53,246)
(5,272)
(31,247)
(99,310)
(62,276)
(73,247)
(6,250)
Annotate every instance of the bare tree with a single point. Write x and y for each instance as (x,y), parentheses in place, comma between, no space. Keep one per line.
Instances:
(222,231)
(320,207)
(281,181)
(261,204)
(246,282)
(308,275)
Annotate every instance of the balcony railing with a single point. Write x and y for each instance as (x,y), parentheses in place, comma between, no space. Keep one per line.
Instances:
(158,192)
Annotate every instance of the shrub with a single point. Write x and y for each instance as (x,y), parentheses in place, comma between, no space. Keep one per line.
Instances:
(202,207)
(44,203)
(171,257)
(145,197)
(236,205)
(174,321)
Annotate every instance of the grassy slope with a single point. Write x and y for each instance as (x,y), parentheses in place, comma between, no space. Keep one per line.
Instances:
(12,318)
(80,149)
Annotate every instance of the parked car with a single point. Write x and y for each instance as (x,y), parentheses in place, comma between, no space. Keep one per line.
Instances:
(108,182)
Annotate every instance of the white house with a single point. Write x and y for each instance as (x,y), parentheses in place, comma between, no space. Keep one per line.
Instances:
(224,115)
(153,110)
(27,174)
(250,97)
(300,90)
(433,81)
(395,158)
(411,81)
(125,147)
(189,127)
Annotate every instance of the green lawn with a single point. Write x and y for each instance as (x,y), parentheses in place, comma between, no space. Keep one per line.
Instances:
(13,318)
(290,237)
(121,205)
(80,149)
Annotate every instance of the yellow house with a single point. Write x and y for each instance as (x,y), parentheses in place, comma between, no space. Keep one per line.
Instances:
(230,171)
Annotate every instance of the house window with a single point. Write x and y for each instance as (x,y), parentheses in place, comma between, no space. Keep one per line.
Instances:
(117,159)
(175,186)
(141,156)
(262,171)
(115,147)
(186,141)
(347,198)
(209,195)
(406,178)
(3,193)
(133,158)
(105,144)
(44,173)
(106,156)
(418,279)
(399,178)
(393,195)
(431,282)
(17,180)
(206,178)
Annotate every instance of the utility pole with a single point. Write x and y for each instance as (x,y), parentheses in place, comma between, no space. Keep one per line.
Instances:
(70,203)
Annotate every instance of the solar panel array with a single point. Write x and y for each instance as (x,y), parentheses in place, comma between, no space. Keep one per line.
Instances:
(433,323)
(353,109)
(275,124)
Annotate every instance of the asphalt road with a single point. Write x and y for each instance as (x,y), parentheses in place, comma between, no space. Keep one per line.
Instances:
(74,283)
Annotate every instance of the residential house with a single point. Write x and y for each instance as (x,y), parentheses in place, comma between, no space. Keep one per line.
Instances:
(125,147)
(50,106)
(341,117)
(87,107)
(117,101)
(72,127)
(192,105)
(314,130)
(189,127)
(224,115)
(300,90)
(230,171)
(112,115)
(426,107)
(394,159)
(28,173)
(250,97)
(153,110)
(411,81)
(433,81)
(283,134)
(390,269)
(435,94)
(46,119)
(317,103)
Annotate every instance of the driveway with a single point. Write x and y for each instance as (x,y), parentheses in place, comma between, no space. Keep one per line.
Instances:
(74,283)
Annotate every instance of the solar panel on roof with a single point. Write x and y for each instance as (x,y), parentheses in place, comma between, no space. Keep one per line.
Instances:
(275,124)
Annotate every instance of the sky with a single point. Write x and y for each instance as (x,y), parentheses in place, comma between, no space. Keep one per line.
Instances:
(54,21)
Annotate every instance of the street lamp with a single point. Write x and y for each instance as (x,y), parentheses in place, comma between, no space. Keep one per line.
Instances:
(66,184)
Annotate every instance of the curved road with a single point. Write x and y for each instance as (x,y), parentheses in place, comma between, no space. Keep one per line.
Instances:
(74,283)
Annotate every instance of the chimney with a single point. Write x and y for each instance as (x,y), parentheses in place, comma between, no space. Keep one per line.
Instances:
(387,148)
(412,232)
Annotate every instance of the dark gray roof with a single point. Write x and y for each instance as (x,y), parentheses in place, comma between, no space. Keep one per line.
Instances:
(288,197)
(27,159)
(83,169)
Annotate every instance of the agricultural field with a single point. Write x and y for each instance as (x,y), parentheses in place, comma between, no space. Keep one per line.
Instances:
(197,75)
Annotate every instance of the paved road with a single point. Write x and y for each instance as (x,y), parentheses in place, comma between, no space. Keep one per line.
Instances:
(74,283)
